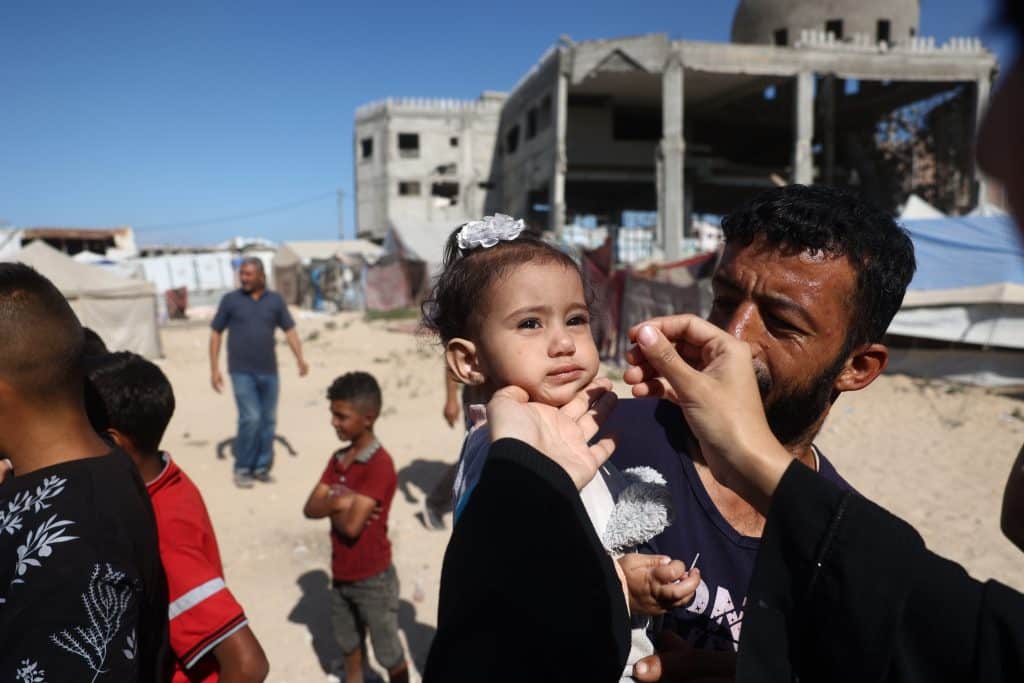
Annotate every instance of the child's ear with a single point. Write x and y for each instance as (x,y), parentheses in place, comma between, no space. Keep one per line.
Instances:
(119,439)
(463,361)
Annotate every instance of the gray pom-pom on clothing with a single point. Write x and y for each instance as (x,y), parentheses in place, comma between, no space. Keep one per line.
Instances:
(643,510)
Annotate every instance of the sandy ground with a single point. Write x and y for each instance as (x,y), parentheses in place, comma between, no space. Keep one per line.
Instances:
(934,454)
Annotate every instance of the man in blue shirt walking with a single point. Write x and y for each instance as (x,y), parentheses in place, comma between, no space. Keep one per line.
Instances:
(252,313)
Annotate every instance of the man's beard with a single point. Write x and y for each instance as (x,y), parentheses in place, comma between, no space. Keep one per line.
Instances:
(796,410)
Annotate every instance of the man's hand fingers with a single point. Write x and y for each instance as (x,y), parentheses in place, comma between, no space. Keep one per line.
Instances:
(674,661)
(648,669)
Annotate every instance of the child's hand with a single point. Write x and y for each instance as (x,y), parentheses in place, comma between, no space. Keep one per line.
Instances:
(338,490)
(657,583)
(341,502)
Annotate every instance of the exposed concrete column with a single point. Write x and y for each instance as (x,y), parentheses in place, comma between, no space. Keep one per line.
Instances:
(803,162)
(673,152)
(982,91)
(828,134)
(561,100)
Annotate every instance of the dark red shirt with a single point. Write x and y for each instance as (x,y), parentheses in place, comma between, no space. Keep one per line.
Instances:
(202,611)
(372,474)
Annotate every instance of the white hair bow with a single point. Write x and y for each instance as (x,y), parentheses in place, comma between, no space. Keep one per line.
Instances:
(489,231)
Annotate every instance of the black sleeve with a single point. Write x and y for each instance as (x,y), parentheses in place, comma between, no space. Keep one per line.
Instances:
(844,591)
(527,590)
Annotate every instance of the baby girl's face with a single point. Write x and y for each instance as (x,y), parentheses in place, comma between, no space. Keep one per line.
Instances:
(536,334)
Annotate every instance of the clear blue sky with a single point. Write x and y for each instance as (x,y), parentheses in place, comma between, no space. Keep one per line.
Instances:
(123,113)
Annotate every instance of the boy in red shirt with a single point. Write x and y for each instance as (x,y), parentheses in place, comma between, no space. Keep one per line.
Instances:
(355,491)
(209,633)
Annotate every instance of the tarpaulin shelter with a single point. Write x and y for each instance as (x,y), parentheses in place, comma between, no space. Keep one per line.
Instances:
(413,257)
(633,296)
(122,311)
(310,271)
(968,290)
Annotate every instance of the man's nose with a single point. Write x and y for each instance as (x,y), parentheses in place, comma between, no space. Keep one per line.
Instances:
(745,325)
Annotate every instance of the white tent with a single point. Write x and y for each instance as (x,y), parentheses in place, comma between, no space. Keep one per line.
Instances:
(121,311)
(307,251)
(918,209)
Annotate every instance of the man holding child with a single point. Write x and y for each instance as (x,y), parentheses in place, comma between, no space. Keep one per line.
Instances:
(810,278)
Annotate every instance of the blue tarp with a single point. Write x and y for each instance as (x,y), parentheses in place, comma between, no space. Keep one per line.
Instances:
(966,251)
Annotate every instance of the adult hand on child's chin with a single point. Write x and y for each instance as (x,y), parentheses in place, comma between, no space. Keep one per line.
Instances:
(559,433)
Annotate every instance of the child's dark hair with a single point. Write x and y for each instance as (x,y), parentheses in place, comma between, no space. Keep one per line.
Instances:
(356,387)
(135,398)
(453,308)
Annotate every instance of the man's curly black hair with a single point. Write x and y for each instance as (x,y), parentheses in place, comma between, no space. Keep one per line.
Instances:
(801,218)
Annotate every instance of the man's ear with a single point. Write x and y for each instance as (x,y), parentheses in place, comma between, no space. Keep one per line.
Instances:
(862,367)
(463,361)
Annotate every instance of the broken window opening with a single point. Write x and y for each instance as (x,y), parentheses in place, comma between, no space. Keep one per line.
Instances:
(531,123)
(835,27)
(447,169)
(884,31)
(512,140)
(636,123)
(446,190)
(408,145)
(366,147)
(782,37)
(409,188)
(453,142)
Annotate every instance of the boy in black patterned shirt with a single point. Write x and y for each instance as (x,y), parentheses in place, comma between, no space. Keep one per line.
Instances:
(82,593)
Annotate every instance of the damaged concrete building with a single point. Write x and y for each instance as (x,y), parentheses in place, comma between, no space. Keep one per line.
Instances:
(422,159)
(843,92)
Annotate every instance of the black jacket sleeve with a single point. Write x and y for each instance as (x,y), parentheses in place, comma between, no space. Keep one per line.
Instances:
(528,593)
(844,591)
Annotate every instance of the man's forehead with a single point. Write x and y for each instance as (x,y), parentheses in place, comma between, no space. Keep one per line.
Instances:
(809,275)
(782,257)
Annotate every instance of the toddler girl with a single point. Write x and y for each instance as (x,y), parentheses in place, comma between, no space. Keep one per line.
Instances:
(511,309)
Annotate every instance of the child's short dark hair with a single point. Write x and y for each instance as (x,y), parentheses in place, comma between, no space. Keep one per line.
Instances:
(135,398)
(356,387)
(453,307)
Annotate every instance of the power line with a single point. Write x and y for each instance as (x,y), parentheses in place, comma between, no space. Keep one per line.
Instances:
(238,216)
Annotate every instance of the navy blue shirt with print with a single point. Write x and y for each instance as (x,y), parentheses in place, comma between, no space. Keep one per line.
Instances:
(654,433)
(251,324)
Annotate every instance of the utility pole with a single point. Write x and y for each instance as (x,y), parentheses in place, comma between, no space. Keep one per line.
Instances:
(341,214)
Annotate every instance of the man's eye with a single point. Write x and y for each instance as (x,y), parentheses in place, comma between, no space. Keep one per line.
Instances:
(529,324)
(777,323)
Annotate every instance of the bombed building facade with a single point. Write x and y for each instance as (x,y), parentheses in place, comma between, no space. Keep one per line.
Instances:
(843,92)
